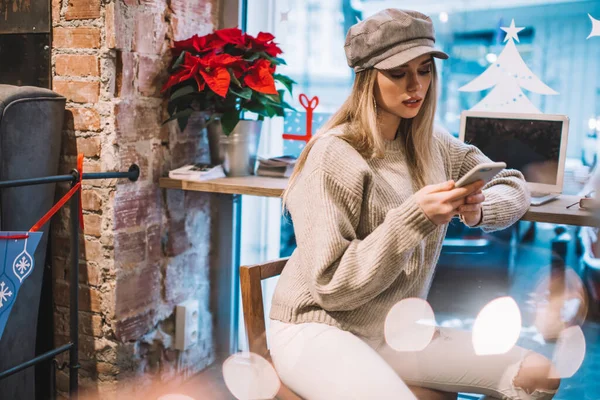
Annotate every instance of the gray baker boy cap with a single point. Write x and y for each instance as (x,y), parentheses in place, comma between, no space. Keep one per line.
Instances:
(389,39)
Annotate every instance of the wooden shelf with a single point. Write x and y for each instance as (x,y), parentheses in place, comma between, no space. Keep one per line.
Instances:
(249,185)
(555,212)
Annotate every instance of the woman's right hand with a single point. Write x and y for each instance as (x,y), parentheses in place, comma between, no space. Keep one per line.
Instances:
(440,202)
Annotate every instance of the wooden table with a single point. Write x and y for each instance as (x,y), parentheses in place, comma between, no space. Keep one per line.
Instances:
(555,212)
(225,281)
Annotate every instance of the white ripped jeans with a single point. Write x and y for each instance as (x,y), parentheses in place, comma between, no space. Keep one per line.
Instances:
(318,361)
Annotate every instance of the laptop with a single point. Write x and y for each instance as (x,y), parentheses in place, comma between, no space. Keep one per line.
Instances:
(535,144)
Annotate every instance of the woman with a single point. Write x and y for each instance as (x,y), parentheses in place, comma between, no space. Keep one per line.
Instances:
(370,199)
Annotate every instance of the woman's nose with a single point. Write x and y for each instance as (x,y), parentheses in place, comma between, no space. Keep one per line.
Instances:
(414,84)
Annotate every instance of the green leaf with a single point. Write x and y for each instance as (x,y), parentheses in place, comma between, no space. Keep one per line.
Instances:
(257,108)
(187,111)
(286,105)
(266,98)
(179,60)
(273,60)
(281,94)
(233,78)
(229,120)
(280,108)
(271,111)
(181,117)
(182,122)
(171,108)
(273,98)
(253,56)
(280,112)
(286,81)
(245,93)
(182,92)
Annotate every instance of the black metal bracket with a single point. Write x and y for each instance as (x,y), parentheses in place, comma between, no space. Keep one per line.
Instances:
(61,366)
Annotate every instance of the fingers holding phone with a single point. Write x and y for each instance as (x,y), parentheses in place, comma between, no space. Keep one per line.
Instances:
(458,195)
(471,212)
(440,202)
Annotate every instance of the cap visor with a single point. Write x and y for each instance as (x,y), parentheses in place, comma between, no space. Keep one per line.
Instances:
(408,55)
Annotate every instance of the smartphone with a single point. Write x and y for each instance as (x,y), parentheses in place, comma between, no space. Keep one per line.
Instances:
(484,172)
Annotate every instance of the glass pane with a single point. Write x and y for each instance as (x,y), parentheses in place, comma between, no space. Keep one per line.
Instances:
(555,60)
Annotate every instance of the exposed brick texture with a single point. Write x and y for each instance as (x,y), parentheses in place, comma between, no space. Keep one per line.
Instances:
(77,65)
(132,328)
(91,200)
(76,38)
(143,249)
(139,291)
(109,25)
(90,299)
(78,91)
(83,119)
(93,224)
(82,9)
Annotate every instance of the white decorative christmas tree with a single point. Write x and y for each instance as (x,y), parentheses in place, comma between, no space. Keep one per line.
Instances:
(508,75)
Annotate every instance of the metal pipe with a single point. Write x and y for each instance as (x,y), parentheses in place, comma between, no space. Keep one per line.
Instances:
(36,181)
(74,298)
(46,356)
(132,174)
(53,366)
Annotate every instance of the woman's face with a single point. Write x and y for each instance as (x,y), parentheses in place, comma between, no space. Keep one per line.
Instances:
(401,91)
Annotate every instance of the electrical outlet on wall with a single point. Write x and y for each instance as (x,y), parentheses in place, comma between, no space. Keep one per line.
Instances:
(186,324)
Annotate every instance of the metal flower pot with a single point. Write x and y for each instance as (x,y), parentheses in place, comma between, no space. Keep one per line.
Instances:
(237,151)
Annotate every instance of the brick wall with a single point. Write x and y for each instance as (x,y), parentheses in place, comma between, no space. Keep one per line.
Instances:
(143,249)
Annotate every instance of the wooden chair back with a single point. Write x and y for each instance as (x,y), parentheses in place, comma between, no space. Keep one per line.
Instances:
(254,315)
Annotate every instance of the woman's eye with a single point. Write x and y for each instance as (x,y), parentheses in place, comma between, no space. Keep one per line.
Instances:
(403,74)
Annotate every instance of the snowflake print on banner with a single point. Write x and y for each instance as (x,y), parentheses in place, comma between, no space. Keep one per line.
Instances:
(16,264)
(5,293)
(23,264)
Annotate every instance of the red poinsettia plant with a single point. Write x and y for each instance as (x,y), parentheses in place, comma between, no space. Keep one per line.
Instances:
(226,73)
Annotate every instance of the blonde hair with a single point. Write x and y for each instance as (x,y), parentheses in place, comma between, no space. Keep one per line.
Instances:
(359,112)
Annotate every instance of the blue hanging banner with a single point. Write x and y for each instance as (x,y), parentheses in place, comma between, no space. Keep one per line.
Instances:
(16,264)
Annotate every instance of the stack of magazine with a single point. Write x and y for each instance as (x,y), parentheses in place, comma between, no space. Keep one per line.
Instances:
(277,167)
(198,172)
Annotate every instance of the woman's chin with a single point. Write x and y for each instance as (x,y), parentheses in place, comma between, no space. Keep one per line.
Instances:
(408,114)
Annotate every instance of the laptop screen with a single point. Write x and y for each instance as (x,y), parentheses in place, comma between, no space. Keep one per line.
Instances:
(529,145)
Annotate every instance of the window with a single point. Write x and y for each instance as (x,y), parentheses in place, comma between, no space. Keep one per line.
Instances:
(553,45)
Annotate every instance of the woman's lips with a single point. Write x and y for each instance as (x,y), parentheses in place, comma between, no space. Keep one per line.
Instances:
(414,103)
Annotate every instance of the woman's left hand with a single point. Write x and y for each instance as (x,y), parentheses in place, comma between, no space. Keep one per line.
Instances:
(470,212)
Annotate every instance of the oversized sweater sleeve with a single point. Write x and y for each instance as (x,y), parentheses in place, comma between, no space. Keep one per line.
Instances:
(507,198)
(342,270)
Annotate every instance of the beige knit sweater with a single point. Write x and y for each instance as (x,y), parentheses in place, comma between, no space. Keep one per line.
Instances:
(363,243)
